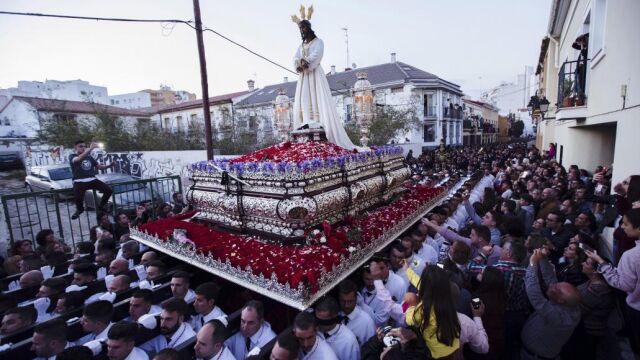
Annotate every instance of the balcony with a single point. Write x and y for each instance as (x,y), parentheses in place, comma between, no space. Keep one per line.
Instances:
(572,99)
(451,113)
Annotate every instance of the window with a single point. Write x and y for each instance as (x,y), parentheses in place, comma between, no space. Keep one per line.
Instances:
(430,105)
(194,117)
(7,122)
(167,123)
(179,124)
(348,113)
(596,23)
(429,132)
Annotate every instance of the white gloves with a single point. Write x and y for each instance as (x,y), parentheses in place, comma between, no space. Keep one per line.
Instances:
(148,321)
(74,287)
(14,285)
(41,304)
(95,346)
(145,284)
(109,296)
(5,347)
(140,270)
(254,352)
(102,272)
(47,271)
(107,280)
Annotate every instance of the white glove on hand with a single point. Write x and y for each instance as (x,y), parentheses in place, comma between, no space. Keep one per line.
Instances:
(107,280)
(145,284)
(148,321)
(71,288)
(41,305)
(14,285)
(5,347)
(95,346)
(140,270)
(47,271)
(102,272)
(109,296)
(254,352)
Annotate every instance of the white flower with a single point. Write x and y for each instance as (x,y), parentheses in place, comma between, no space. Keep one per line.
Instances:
(323,240)
(316,232)
(351,249)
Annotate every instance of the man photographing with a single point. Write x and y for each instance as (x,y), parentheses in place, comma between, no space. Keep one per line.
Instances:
(84,168)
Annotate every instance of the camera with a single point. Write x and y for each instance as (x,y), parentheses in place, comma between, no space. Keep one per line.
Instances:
(476,302)
(389,340)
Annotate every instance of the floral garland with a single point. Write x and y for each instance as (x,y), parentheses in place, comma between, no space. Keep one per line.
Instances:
(297,264)
(287,157)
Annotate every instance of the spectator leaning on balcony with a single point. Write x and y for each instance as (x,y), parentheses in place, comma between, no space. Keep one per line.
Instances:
(84,176)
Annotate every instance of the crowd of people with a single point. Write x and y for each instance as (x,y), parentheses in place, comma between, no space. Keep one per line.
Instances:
(512,265)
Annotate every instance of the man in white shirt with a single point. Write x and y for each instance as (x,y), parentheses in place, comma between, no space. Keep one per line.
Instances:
(397,287)
(286,347)
(96,320)
(312,346)
(358,321)
(338,336)
(205,305)
(180,287)
(210,342)
(141,304)
(49,339)
(369,302)
(254,331)
(173,329)
(121,342)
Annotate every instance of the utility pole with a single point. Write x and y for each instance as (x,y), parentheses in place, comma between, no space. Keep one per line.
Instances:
(346,36)
(203,81)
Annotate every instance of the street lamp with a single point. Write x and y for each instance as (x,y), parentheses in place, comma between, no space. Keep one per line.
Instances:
(538,106)
(364,107)
(283,123)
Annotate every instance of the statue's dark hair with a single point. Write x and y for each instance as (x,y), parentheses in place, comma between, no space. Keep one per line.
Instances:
(308,24)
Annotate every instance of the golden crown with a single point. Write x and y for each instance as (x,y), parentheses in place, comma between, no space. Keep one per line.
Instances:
(307,17)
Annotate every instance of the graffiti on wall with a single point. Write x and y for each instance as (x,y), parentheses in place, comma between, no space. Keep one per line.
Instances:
(140,165)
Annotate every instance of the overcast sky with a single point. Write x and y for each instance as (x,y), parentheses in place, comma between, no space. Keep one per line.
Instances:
(476,44)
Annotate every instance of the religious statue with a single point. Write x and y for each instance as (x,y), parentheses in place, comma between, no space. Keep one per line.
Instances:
(314,104)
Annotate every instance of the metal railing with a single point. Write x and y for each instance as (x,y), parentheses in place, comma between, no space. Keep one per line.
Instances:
(572,79)
(451,113)
(25,214)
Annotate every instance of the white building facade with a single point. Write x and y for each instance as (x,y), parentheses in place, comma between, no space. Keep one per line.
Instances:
(595,101)
(435,101)
(136,100)
(75,90)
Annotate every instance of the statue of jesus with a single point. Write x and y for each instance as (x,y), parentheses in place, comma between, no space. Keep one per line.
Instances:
(313,100)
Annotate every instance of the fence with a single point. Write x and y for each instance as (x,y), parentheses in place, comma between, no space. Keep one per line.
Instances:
(27,213)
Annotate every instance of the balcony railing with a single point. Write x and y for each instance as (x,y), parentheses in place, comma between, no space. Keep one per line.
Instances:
(571,84)
(451,113)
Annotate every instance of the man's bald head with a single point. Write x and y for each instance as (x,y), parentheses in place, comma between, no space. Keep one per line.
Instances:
(564,293)
(148,257)
(118,267)
(120,283)
(31,278)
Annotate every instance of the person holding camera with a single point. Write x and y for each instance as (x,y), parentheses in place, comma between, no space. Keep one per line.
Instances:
(84,171)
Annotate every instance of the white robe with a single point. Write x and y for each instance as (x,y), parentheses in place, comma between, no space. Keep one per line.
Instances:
(237,344)
(360,324)
(343,343)
(313,99)
(196,320)
(155,345)
(320,351)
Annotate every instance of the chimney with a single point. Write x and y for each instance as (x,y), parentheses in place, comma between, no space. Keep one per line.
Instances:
(333,69)
(286,79)
(393,57)
(251,84)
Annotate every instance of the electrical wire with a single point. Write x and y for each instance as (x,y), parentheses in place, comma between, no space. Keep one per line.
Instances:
(95,18)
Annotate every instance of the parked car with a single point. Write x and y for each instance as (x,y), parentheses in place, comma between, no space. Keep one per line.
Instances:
(50,177)
(10,161)
(126,196)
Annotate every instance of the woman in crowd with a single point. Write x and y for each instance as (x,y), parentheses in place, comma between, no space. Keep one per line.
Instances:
(492,294)
(43,238)
(570,270)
